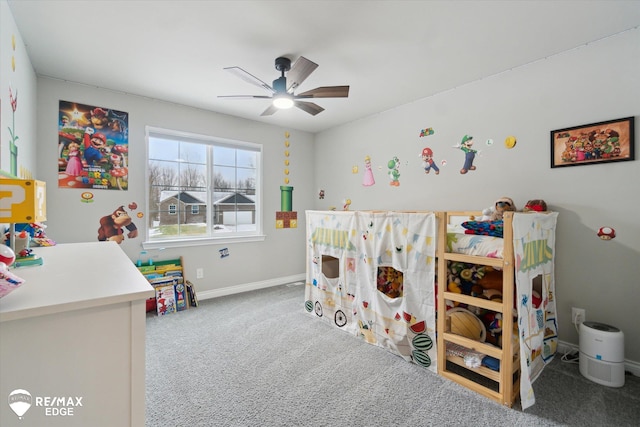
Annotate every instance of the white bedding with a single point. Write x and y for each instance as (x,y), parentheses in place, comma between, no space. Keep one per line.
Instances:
(474,244)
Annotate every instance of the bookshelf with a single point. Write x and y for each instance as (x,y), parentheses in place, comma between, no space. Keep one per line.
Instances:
(173,292)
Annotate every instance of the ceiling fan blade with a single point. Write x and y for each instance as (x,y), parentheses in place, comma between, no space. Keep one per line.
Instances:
(326,92)
(309,107)
(245,96)
(270,110)
(299,72)
(249,78)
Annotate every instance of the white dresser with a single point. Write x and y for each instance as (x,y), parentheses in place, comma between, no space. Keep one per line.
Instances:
(73,337)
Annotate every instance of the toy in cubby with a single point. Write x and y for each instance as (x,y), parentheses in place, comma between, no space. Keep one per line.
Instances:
(481,282)
(465,323)
(390,282)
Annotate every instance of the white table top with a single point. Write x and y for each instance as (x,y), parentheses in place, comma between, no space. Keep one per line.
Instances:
(75,276)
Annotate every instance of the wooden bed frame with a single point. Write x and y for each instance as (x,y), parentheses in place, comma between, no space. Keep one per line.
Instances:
(508,377)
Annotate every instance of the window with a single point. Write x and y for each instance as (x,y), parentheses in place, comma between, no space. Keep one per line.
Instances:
(201,189)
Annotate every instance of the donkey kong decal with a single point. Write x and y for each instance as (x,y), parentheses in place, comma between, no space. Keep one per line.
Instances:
(111,226)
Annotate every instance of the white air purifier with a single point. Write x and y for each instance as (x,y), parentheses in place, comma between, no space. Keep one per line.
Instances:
(602,354)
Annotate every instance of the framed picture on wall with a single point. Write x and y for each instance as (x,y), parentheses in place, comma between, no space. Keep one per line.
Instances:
(610,141)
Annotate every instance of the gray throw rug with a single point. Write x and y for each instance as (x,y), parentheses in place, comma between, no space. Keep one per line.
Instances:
(259,359)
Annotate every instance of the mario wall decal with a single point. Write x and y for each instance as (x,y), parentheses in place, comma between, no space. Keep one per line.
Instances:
(427,161)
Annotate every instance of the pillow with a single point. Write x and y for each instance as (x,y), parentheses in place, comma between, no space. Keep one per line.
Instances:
(455,228)
(485,228)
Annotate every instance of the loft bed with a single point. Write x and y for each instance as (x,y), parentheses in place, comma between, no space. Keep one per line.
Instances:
(373,274)
(519,293)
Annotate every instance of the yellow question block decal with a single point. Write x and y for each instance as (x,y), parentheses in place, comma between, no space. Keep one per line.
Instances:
(22,200)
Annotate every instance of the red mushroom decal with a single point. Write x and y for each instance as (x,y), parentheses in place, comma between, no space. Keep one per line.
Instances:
(118,171)
(607,233)
(121,150)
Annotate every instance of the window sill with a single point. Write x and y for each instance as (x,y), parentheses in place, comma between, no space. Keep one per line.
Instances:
(163,244)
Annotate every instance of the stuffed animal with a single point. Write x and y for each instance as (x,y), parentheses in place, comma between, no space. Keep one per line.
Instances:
(536,205)
(487,213)
(503,204)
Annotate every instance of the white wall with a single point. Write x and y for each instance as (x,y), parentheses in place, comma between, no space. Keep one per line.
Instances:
(597,82)
(281,254)
(16,72)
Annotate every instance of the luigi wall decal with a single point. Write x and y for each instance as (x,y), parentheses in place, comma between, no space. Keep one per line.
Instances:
(469,154)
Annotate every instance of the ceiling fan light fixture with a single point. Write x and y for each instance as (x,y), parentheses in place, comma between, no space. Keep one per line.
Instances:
(283,101)
(282,94)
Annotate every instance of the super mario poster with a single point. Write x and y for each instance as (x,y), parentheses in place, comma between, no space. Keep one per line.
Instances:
(93,147)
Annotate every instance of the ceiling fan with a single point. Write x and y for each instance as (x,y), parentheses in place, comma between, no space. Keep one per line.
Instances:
(282,91)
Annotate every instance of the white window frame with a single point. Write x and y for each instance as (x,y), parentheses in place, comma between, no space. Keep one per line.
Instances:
(195,209)
(173,209)
(230,237)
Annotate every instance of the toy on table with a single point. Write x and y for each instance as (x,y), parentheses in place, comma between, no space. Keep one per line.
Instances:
(23,239)
(7,256)
(8,281)
(36,232)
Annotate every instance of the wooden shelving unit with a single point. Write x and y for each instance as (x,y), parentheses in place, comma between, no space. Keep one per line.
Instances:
(166,275)
(502,385)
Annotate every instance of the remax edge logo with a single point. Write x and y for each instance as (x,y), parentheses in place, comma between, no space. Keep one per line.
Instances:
(21,400)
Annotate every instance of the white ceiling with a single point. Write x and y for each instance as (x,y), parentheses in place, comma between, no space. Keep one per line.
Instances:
(389,52)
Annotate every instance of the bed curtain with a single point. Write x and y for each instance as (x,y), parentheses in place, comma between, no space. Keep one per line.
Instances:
(534,250)
(366,249)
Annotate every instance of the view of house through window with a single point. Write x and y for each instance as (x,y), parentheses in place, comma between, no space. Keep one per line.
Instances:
(201,187)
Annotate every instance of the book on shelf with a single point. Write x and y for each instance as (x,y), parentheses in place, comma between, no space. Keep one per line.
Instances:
(181,297)
(166,275)
(191,294)
(173,273)
(163,280)
(146,268)
(166,300)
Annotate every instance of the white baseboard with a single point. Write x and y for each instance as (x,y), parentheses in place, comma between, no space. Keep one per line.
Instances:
(230,290)
(629,365)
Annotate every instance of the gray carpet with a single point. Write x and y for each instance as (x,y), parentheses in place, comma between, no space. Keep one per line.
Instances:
(259,359)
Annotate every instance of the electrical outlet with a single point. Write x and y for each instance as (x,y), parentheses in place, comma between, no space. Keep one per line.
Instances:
(577,315)
(199,273)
